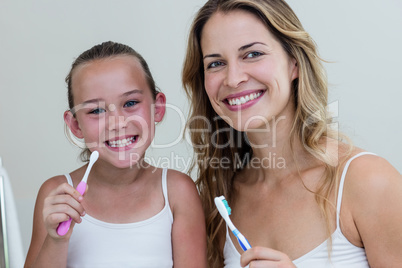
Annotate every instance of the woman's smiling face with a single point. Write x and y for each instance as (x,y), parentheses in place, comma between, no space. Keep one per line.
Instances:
(248,74)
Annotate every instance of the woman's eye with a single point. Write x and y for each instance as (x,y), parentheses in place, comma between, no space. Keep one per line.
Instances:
(97,111)
(215,64)
(130,103)
(253,54)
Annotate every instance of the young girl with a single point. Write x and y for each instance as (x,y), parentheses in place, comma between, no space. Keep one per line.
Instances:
(298,194)
(132,214)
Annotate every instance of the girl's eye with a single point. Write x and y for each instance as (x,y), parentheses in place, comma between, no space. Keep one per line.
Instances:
(97,111)
(253,54)
(130,103)
(215,64)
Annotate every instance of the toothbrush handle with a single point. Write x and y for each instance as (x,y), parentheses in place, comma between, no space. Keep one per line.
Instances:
(82,186)
(64,226)
(245,245)
(243,242)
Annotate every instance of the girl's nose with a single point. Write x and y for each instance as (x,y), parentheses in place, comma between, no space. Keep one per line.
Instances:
(235,75)
(116,121)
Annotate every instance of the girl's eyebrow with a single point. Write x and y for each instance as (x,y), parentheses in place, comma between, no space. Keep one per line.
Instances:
(125,94)
(92,101)
(240,49)
(135,91)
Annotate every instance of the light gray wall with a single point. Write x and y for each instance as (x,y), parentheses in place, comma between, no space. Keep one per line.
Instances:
(40,39)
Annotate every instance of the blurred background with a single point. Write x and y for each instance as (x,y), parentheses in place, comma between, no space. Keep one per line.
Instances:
(40,39)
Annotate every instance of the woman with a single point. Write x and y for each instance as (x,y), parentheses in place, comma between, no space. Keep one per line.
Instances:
(261,133)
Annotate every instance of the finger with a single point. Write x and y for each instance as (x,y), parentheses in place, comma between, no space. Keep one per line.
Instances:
(64,204)
(59,213)
(272,264)
(66,188)
(51,202)
(55,222)
(260,253)
(263,264)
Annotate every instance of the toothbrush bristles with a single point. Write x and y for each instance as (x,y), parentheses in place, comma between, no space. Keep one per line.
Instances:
(227,206)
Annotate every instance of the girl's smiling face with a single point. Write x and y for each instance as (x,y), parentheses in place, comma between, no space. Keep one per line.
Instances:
(248,74)
(115,112)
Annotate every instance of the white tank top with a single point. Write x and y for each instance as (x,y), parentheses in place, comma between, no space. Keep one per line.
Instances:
(143,244)
(343,255)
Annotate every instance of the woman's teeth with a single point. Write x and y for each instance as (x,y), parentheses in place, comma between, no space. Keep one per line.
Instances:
(122,143)
(244,99)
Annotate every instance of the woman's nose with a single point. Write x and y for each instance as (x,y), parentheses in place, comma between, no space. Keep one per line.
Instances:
(235,75)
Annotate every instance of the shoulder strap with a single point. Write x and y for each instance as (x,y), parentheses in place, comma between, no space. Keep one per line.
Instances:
(164,184)
(342,182)
(165,192)
(69,180)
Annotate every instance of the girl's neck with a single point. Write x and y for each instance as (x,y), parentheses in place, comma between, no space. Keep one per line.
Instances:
(116,177)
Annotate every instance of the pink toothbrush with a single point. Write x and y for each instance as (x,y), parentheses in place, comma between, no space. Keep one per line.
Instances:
(63,227)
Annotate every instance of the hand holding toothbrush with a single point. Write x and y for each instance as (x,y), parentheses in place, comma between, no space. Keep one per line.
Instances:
(63,227)
(265,257)
(62,203)
(65,201)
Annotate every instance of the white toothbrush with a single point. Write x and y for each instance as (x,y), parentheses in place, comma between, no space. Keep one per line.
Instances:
(224,209)
(63,227)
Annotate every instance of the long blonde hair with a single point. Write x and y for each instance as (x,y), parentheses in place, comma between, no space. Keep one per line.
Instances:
(310,125)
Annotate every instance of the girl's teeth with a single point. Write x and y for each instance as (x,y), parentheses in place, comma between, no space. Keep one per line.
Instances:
(121,143)
(244,99)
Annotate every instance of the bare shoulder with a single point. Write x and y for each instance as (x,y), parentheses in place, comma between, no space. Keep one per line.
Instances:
(181,188)
(51,184)
(372,173)
(179,179)
(373,197)
(179,183)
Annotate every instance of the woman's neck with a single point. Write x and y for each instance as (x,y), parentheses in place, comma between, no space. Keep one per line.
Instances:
(276,153)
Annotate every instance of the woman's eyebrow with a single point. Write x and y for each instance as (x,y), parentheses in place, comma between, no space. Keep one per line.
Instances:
(217,55)
(212,56)
(250,45)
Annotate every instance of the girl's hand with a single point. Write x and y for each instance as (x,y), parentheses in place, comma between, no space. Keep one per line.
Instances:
(264,258)
(62,203)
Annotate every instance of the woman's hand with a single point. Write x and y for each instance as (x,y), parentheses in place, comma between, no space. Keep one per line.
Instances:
(264,258)
(62,203)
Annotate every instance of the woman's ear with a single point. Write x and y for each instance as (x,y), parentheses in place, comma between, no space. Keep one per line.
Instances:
(72,124)
(160,106)
(295,69)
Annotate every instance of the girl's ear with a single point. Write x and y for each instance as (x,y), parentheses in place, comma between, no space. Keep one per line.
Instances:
(72,124)
(160,106)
